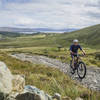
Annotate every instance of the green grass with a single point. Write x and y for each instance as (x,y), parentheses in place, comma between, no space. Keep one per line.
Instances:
(64,55)
(88,37)
(50,80)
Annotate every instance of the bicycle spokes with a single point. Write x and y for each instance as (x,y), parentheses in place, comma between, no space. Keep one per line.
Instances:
(81,70)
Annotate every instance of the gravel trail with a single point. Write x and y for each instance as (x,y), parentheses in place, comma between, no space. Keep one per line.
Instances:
(91,81)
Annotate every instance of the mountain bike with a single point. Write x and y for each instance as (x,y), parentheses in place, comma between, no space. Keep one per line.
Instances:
(79,66)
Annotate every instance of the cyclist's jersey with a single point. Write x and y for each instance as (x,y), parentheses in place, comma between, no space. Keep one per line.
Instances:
(74,48)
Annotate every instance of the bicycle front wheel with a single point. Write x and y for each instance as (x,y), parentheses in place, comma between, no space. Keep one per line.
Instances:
(81,70)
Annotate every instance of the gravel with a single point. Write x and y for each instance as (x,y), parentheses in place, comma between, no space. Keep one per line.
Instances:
(92,79)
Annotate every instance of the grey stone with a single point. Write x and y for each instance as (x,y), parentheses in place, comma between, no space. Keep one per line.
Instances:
(5,79)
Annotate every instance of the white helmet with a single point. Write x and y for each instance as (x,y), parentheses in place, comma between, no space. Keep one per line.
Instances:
(75,41)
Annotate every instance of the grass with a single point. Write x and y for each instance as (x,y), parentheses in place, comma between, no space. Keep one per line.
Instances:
(88,37)
(46,44)
(50,80)
(64,55)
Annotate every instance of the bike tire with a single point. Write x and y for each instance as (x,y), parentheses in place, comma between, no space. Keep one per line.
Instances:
(85,70)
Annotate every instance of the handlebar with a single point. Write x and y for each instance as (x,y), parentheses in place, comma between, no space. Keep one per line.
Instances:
(79,55)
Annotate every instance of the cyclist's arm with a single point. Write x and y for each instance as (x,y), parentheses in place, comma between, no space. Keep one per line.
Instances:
(82,50)
(71,50)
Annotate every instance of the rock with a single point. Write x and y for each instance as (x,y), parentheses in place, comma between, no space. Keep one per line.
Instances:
(30,93)
(66,98)
(38,93)
(18,83)
(5,79)
(84,95)
(57,96)
(78,98)
(1,96)
(31,96)
(10,98)
(28,96)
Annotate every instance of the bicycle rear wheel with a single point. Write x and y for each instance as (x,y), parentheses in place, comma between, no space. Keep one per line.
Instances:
(81,70)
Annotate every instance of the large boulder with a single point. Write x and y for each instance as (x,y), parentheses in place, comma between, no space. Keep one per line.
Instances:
(5,79)
(18,83)
(33,93)
(29,96)
(78,98)
(38,94)
(29,93)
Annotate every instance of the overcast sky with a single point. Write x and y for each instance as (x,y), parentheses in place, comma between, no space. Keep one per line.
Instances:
(49,13)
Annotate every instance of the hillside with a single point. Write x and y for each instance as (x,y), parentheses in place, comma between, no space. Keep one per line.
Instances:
(46,45)
(8,34)
(89,36)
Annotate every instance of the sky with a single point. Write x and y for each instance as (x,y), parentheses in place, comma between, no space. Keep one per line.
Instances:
(59,14)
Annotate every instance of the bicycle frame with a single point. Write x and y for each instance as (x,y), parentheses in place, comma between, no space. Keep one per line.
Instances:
(78,58)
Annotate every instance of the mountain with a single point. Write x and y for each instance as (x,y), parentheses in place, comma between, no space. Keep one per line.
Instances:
(11,29)
(34,30)
(54,30)
(89,36)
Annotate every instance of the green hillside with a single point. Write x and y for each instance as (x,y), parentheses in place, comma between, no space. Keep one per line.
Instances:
(8,34)
(49,79)
(47,44)
(89,36)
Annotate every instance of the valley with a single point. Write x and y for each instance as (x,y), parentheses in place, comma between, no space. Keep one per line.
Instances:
(56,47)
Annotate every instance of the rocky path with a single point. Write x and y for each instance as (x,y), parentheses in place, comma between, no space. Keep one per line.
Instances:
(91,81)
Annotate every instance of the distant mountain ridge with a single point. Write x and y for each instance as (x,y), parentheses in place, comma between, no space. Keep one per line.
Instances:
(12,29)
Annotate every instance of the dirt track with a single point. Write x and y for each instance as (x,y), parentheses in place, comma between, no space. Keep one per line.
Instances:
(91,81)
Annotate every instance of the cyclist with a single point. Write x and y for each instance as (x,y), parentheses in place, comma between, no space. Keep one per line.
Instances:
(74,50)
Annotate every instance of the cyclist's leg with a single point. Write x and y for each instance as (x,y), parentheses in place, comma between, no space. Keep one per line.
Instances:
(77,57)
(73,59)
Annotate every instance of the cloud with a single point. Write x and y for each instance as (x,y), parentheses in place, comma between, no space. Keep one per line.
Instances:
(93,3)
(44,13)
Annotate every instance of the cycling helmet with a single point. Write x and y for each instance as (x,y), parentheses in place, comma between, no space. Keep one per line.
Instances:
(75,41)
